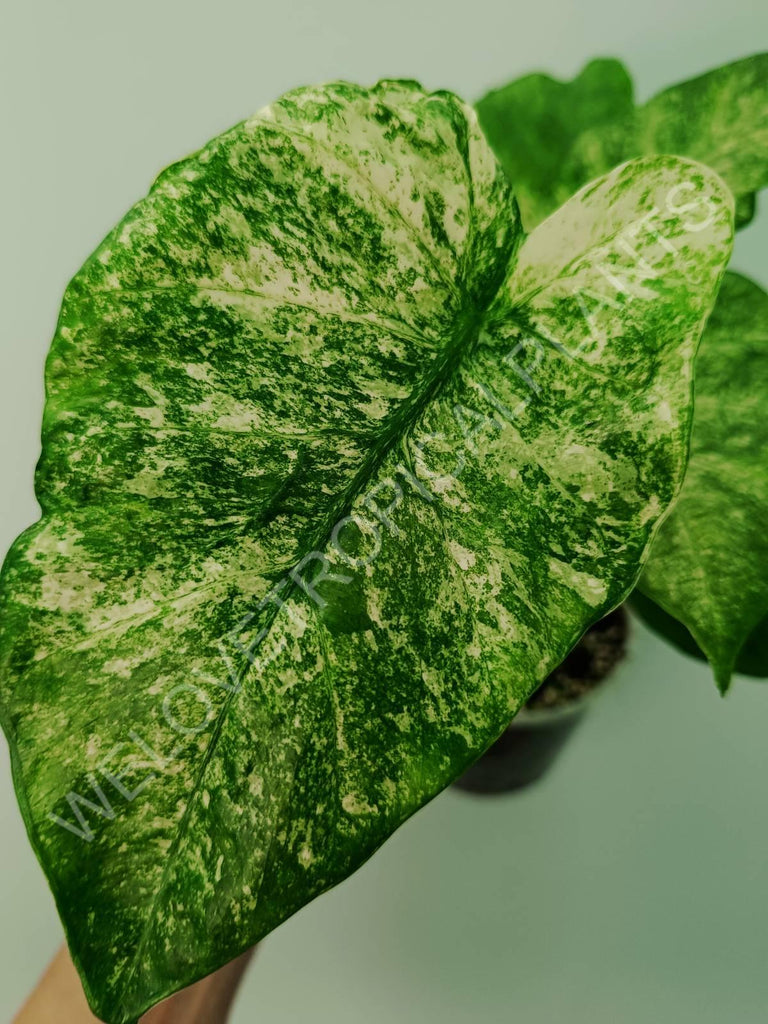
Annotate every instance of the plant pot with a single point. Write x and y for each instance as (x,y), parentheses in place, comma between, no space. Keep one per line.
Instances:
(530,745)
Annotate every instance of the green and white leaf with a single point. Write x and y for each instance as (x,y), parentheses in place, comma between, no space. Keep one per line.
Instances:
(552,137)
(221,693)
(709,562)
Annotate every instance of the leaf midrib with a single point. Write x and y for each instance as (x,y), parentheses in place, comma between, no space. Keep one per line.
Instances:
(404,418)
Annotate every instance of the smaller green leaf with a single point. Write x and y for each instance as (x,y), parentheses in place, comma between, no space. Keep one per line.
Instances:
(553,137)
(720,118)
(753,656)
(532,124)
(746,207)
(253,359)
(708,562)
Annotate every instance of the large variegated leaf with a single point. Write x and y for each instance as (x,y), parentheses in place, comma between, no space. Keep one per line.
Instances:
(534,122)
(335,471)
(553,136)
(709,563)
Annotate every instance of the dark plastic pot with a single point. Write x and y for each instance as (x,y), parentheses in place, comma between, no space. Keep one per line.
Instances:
(524,752)
(531,744)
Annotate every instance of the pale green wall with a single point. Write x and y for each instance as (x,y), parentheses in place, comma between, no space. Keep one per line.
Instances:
(631,887)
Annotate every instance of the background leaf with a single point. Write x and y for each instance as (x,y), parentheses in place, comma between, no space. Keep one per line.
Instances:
(221,692)
(707,565)
(533,123)
(552,137)
(752,659)
(719,118)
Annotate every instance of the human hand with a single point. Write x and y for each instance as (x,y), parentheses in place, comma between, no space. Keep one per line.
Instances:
(59,999)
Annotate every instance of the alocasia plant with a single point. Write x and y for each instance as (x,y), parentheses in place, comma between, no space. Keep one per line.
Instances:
(337,465)
(708,567)
(719,118)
